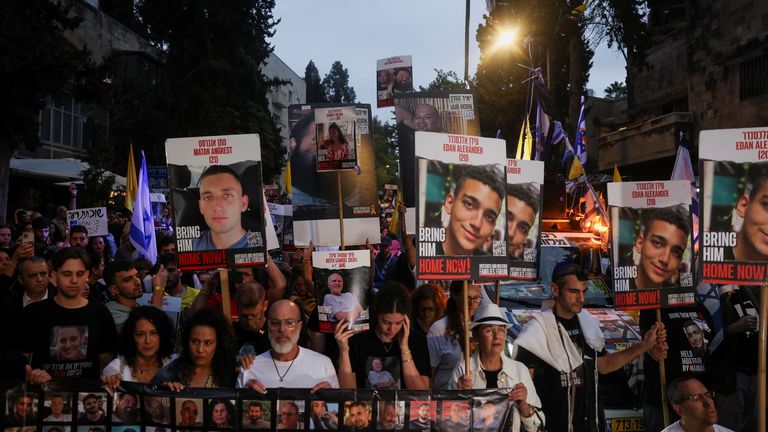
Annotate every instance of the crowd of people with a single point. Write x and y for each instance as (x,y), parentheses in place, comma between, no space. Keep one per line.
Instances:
(87,307)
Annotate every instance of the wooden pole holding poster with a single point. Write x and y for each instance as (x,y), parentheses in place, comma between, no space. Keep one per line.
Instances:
(467,367)
(225,305)
(761,358)
(663,380)
(498,292)
(341,211)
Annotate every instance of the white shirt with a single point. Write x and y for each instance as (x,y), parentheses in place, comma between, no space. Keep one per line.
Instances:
(25,300)
(675,427)
(119,366)
(63,418)
(306,370)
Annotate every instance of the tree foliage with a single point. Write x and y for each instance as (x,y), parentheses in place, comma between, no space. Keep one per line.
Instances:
(616,90)
(444,81)
(336,85)
(385,152)
(315,89)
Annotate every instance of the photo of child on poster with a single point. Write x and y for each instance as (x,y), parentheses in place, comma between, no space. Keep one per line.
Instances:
(342,280)
(216,190)
(525,180)
(315,195)
(461,231)
(394,75)
(335,138)
(451,111)
(651,234)
(734,182)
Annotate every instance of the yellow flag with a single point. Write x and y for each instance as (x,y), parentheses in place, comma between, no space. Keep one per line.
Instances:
(394,224)
(520,142)
(576,170)
(130,182)
(616,175)
(528,140)
(287,179)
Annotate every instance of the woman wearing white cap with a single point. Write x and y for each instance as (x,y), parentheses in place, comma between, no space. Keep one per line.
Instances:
(492,368)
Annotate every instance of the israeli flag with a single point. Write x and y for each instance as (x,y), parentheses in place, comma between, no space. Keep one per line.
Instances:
(580,143)
(142,233)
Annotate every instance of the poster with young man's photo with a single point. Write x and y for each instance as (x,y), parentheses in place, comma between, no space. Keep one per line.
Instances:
(216,190)
(315,195)
(394,76)
(525,181)
(342,282)
(462,230)
(734,186)
(652,237)
(335,138)
(449,111)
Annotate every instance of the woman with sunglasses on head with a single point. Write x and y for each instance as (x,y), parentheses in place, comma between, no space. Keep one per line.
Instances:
(445,339)
(490,368)
(390,343)
(144,346)
(208,355)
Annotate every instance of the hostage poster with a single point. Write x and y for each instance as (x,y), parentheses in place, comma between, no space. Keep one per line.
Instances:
(462,232)
(216,190)
(335,128)
(315,195)
(525,181)
(651,235)
(734,186)
(394,75)
(342,280)
(450,111)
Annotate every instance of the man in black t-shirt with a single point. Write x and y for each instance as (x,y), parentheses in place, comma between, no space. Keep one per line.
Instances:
(563,347)
(67,336)
(251,328)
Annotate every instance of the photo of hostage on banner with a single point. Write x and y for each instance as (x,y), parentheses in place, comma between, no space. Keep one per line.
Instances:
(218,212)
(461,227)
(394,75)
(652,237)
(525,180)
(342,280)
(335,129)
(734,184)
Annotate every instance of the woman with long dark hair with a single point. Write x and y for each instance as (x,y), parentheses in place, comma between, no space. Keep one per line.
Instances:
(144,346)
(208,354)
(222,413)
(445,338)
(390,344)
(428,306)
(336,143)
(100,245)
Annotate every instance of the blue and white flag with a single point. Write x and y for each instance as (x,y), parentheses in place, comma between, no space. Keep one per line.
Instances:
(580,138)
(683,170)
(142,233)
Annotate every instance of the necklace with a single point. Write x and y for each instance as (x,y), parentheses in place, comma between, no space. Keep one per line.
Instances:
(282,377)
(386,350)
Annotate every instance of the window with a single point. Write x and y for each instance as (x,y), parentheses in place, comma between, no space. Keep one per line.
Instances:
(61,123)
(753,77)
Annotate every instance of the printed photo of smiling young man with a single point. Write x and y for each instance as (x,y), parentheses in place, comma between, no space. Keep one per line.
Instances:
(661,247)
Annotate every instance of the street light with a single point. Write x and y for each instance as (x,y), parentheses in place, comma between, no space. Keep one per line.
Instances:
(506,37)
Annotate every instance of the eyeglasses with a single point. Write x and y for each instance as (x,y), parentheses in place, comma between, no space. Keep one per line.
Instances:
(710,395)
(476,300)
(493,331)
(289,323)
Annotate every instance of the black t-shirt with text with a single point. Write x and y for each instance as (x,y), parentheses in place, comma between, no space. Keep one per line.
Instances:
(365,348)
(552,385)
(67,343)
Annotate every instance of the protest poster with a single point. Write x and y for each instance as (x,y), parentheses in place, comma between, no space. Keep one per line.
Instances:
(85,406)
(394,75)
(342,280)
(462,233)
(217,201)
(335,137)
(94,219)
(315,195)
(651,234)
(525,182)
(733,170)
(158,178)
(449,111)
(282,219)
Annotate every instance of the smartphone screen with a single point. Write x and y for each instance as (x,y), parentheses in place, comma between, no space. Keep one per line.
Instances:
(28,237)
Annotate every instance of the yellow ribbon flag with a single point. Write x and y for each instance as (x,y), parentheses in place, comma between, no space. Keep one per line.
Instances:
(616,175)
(520,142)
(394,224)
(528,140)
(576,170)
(287,179)
(131,182)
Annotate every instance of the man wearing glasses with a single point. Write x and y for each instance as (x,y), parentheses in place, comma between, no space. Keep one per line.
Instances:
(695,405)
(286,364)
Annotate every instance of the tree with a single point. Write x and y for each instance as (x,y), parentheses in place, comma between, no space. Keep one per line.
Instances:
(444,81)
(98,181)
(315,89)
(211,83)
(38,61)
(616,90)
(385,152)
(336,85)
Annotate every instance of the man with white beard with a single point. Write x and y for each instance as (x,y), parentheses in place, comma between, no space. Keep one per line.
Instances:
(286,364)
